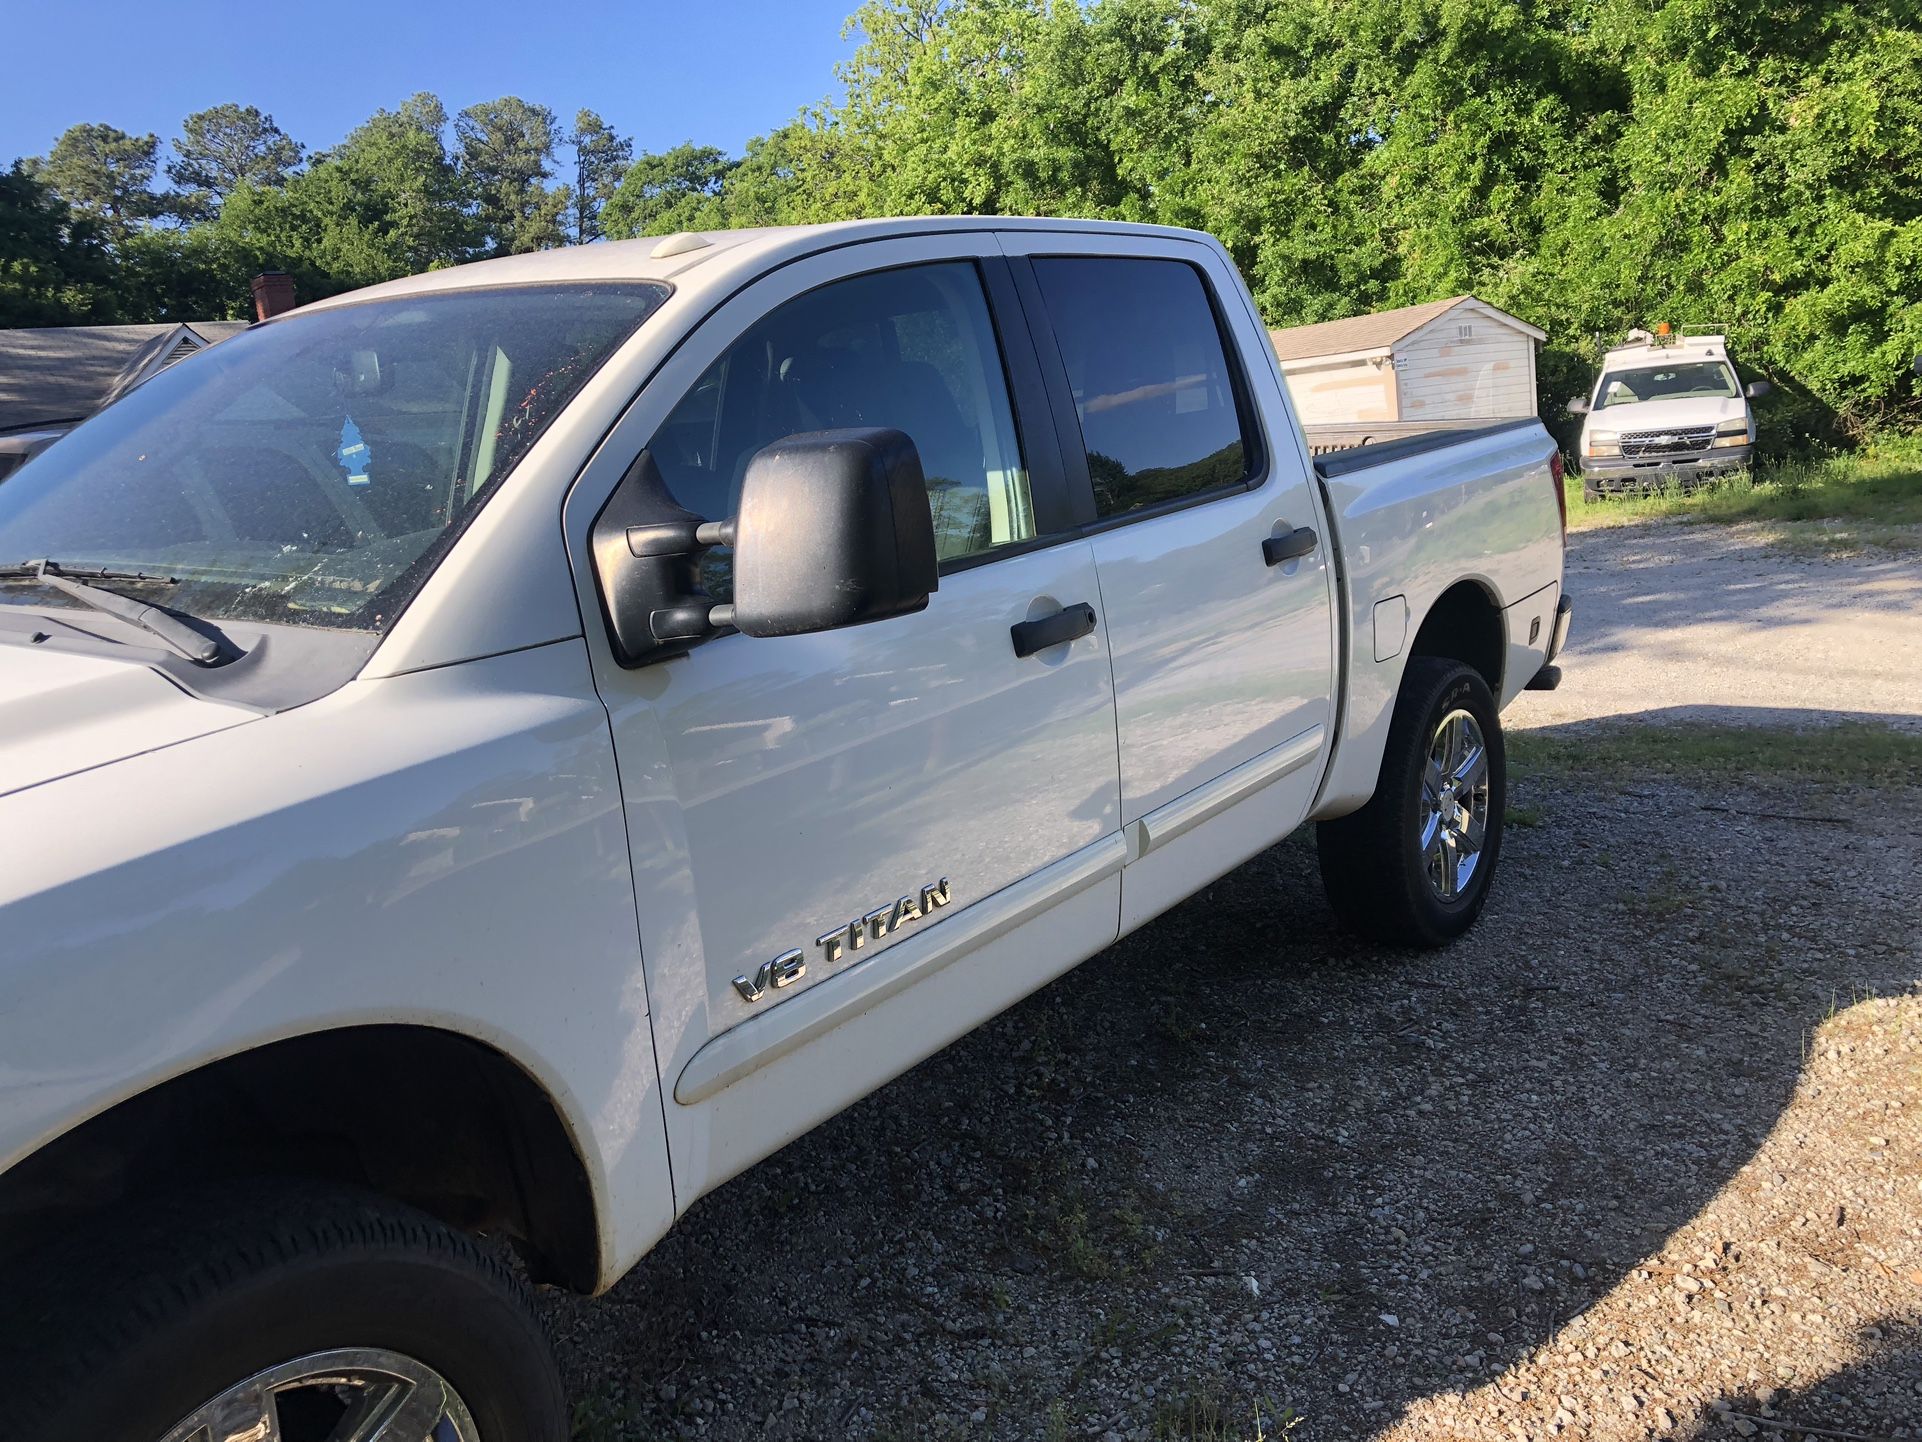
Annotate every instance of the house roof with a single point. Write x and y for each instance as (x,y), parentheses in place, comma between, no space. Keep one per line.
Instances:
(1378,331)
(60,375)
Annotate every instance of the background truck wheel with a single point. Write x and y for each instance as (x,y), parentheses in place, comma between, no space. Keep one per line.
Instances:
(1413,866)
(1591,493)
(334,1312)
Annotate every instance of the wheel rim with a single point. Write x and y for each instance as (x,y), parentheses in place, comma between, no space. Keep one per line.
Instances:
(1453,821)
(359,1394)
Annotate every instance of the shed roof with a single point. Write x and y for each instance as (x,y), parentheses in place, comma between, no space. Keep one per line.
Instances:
(1378,331)
(60,375)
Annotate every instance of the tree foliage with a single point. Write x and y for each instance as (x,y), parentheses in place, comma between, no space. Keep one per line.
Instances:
(1587,164)
(53,262)
(222,149)
(601,158)
(677,189)
(506,154)
(104,172)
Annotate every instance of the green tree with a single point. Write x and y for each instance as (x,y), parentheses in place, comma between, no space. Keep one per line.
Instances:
(601,158)
(54,264)
(386,202)
(506,150)
(678,189)
(1766,180)
(104,172)
(221,149)
(180,275)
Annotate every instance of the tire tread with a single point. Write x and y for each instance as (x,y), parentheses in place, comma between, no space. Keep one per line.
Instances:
(1364,869)
(83,1303)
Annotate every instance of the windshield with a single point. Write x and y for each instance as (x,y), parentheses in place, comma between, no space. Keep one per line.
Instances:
(1666,383)
(312,469)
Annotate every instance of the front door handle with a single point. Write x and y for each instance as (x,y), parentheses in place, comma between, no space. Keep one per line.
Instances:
(1070,623)
(1297,543)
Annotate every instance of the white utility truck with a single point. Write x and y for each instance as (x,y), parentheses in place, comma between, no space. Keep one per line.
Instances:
(1667,410)
(485,759)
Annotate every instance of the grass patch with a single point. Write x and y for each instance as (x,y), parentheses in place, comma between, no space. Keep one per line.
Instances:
(1204,1419)
(1832,504)
(1848,752)
(1528,817)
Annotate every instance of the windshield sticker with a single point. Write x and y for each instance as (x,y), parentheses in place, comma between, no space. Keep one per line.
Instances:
(356,457)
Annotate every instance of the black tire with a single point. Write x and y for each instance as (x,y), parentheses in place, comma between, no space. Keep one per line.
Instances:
(125,1331)
(1591,493)
(1371,862)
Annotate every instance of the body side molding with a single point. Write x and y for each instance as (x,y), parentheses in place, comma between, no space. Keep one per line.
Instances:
(1211,798)
(754,1043)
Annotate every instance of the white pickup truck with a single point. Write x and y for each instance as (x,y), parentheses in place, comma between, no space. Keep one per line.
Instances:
(1667,410)
(485,759)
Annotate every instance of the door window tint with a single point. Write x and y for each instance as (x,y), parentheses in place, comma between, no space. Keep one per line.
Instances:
(913,349)
(1150,380)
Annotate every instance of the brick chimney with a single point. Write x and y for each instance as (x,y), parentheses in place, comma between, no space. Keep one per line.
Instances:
(273,293)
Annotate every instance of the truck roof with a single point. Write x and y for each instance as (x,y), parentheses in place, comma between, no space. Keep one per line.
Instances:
(1692,348)
(698,259)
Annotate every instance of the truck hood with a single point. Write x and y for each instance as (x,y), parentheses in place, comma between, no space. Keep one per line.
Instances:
(1659,415)
(62,712)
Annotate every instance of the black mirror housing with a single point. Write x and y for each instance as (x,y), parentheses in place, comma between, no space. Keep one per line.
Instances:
(1755,390)
(1577,406)
(834,530)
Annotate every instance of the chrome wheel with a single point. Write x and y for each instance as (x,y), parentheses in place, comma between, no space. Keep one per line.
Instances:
(1453,818)
(350,1395)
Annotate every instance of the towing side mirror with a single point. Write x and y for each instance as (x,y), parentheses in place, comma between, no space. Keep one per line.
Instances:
(1578,407)
(834,530)
(1755,390)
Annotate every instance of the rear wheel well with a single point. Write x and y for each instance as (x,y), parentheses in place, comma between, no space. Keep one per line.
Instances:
(425,1116)
(1465,625)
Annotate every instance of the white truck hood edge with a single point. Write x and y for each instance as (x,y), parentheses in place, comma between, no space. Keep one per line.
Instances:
(1680,411)
(62,712)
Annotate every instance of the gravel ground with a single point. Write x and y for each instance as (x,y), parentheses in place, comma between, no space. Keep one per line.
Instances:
(1643,1147)
(1676,620)
(1637,1159)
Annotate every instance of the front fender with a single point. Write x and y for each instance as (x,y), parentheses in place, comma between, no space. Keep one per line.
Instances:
(443,848)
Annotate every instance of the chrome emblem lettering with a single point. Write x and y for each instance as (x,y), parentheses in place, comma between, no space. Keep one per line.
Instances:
(786,969)
(790,966)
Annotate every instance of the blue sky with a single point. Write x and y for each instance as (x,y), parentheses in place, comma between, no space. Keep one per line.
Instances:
(713,71)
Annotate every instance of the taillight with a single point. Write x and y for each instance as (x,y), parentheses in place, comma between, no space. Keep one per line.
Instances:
(1555,471)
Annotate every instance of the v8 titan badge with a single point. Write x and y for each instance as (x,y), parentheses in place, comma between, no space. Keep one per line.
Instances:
(790,966)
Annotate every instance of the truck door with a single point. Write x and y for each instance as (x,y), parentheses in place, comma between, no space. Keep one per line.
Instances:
(1214,573)
(853,846)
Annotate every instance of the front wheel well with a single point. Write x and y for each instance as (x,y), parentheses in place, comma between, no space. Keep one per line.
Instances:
(1465,624)
(425,1116)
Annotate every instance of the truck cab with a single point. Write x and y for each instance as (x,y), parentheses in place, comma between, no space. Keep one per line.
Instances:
(1666,410)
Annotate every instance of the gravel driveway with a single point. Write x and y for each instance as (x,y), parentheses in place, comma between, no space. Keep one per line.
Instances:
(1640,1158)
(1677,620)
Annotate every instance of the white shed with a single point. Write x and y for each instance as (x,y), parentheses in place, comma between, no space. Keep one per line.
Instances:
(1450,360)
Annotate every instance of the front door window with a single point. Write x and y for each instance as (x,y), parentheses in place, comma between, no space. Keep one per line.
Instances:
(913,349)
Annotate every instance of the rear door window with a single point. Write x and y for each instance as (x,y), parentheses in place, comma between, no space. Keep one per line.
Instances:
(1151,380)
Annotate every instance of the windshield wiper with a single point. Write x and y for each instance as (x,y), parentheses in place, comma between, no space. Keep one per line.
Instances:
(176,634)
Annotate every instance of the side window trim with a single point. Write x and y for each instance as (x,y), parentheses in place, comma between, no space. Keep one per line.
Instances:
(1043,449)
(1073,444)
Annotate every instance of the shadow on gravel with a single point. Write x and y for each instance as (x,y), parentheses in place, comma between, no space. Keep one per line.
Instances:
(1887,1386)
(1623,597)
(1240,1157)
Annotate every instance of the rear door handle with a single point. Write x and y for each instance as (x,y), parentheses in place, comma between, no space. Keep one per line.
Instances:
(1070,623)
(1296,544)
